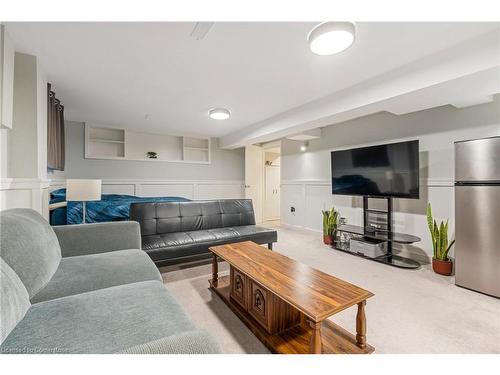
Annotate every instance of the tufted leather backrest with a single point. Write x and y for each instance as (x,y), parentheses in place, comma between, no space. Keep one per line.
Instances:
(171,217)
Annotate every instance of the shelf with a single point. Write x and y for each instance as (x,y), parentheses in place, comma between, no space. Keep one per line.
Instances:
(389,259)
(196,148)
(172,161)
(379,235)
(147,160)
(376,211)
(104,141)
(106,157)
(119,144)
(196,143)
(106,134)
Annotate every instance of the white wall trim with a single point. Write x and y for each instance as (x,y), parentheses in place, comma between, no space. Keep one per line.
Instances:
(156,181)
(25,193)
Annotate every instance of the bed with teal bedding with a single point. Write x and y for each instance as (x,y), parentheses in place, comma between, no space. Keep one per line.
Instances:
(112,207)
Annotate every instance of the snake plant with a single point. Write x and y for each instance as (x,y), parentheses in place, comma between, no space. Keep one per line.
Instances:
(439,235)
(330,221)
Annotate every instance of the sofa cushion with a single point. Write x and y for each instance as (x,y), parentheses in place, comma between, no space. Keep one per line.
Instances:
(97,271)
(14,300)
(185,244)
(104,321)
(29,246)
(254,232)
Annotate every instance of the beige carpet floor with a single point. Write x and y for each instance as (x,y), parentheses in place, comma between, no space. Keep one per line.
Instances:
(413,311)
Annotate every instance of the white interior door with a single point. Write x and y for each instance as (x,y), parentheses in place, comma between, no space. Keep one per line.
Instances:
(272,192)
(254,176)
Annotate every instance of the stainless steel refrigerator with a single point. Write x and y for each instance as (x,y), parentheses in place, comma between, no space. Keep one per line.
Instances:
(477,215)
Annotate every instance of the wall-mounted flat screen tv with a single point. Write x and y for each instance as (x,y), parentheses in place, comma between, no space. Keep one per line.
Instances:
(390,170)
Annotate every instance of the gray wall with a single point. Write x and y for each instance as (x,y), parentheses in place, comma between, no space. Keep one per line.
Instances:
(226,164)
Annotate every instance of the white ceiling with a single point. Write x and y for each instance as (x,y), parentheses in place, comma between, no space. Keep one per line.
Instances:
(117,73)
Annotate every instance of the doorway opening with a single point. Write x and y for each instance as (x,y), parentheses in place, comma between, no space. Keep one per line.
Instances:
(263,181)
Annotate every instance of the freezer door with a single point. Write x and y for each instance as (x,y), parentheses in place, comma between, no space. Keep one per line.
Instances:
(477,234)
(478,160)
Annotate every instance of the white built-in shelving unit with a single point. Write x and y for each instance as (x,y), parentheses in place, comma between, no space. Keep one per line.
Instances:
(195,149)
(121,144)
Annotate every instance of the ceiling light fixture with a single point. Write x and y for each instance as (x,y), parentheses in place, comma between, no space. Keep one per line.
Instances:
(329,38)
(219,113)
(304,146)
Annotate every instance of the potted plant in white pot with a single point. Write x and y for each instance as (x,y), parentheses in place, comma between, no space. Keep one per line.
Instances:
(441,263)
(330,222)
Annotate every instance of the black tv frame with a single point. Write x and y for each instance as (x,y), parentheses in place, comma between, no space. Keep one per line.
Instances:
(417,196)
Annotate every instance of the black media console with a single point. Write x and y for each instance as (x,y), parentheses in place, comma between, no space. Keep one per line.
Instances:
(377,225)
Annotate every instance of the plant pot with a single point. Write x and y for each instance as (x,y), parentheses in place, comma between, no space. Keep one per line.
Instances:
(327,240)
(442,267)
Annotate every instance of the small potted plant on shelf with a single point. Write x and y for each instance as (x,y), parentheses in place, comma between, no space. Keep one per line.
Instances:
(330,222)
(441,264)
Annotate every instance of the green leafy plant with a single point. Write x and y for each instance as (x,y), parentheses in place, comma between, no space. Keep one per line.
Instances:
(439,235)
(330,221)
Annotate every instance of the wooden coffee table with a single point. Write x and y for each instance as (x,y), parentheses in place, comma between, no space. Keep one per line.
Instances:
(286,303)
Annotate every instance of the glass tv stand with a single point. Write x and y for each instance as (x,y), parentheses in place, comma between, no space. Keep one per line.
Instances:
(378,226)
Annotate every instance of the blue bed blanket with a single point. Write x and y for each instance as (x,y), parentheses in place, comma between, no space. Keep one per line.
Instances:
(112,207)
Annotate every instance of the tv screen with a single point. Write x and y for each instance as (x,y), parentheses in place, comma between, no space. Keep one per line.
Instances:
(390,170)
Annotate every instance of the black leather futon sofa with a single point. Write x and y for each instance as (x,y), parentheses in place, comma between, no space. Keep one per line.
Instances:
(181,231)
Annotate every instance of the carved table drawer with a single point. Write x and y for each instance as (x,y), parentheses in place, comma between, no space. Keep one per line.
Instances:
(239,287)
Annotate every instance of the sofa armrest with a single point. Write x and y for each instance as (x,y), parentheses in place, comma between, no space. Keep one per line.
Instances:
(84,239)
(191,342)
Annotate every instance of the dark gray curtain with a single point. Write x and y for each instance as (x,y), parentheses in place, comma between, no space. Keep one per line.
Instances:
(55,132)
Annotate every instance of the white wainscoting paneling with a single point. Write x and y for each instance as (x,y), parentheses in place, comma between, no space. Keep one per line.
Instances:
(25,193)
(219,191)
(127,189)
(317,197)
(167,190)
(195,189)
(292,195)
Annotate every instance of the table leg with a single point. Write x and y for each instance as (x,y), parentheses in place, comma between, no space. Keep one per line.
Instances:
(315,346)
(361,325)
(215,270)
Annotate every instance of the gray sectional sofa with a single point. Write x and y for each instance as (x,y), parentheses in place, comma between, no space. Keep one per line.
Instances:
(86,289)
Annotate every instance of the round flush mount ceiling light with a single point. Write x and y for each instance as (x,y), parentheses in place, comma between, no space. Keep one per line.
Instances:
(219,113)
(329,38)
